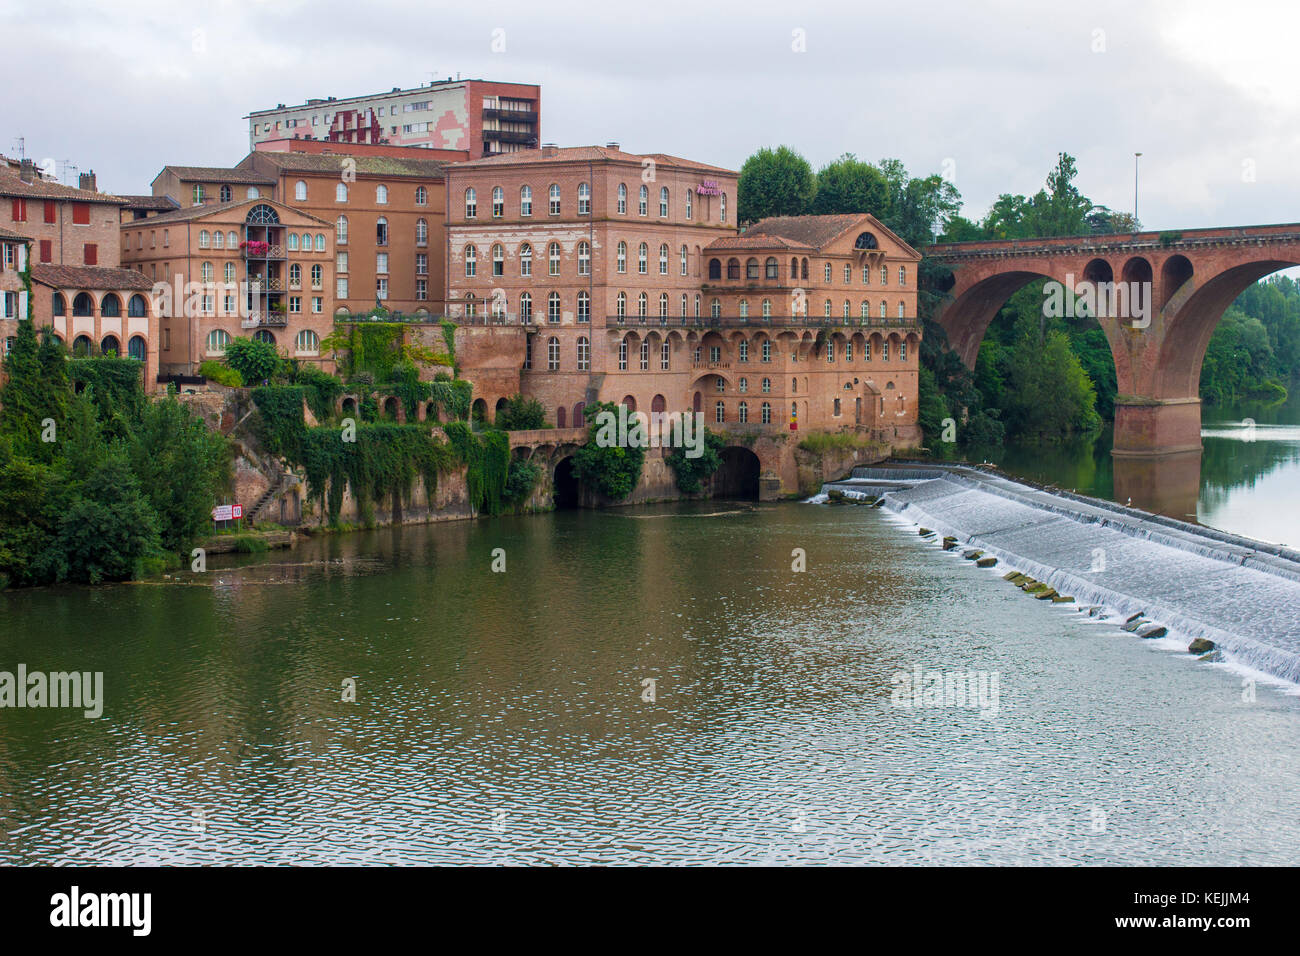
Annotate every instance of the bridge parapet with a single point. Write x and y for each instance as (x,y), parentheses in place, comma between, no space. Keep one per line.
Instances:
(1098,244)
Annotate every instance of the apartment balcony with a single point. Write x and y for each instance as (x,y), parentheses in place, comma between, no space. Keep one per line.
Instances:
(528,138)
(510,116)
(254,249)
(259,285)
(258,319)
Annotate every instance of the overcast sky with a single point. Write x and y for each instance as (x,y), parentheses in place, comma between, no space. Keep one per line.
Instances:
(1209,92)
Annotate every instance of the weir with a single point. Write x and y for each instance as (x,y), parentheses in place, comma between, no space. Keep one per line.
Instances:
(1243,595)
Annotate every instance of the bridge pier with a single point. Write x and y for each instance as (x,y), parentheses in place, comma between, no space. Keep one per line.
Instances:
(1156,427)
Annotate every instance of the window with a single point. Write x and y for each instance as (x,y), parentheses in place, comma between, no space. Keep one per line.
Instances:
(902,275)
(584,307)
(770,268)
(684,257)
(421,232)
(826,272)
(553,259)
(767,351)
(767,413)
(902,351)
(381,262)
(866,275)
(643,201)
(525,260)
(722,205)
(227,194)
(421,196)
(218,240)
(884,310)
(526,308)
(620,305)
(421,289)
(341,287)
(847,309)
(553,308)
(848,274)
(742,385)
(622,355)
(690,203)
(421,265)
(300,190)
(306,342)
(720,412)
(663,202)
(715,355)
(742,413)
(584,353)
(554,196)
(836,409)
(205,272)
(621,257)
(645,356)
(642,258)
(622,198)
(685,307)
(498,260)
(295,303)
(743,352)
(744,308)
(230,272)
(584,258)
(865,312)
(525,200)
(471,204)
(197,195)
(826,308)
(663,307)
(528,342)
(293,242)
(253,193)
(866,351)
(553,354)
(381,231)
(663,259)
(381,195)
(733,268)
(381,289)
(767,308)
(218,339)
(884,275)
(848,351)
(715,309)
(205,239)
(697,305)
(471,261)
(295,276)
(884,351)
(584,199)
(751,268)
(664,355)
(900,310)
(498,202)
(642,305)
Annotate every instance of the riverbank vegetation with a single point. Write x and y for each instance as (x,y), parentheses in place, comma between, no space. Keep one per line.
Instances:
(97,483)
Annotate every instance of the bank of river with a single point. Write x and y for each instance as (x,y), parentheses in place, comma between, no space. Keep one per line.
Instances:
(503,716)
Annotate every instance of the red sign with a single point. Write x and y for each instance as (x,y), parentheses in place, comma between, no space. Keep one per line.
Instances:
(227,512)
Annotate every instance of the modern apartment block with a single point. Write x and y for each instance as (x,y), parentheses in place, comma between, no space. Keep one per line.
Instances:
(480,116)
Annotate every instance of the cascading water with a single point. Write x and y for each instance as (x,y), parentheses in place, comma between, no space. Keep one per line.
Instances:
(1241,594)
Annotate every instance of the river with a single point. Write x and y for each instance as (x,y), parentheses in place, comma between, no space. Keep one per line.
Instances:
(506,716)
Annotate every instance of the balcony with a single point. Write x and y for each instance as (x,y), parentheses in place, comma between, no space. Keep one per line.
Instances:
(259,285)
(262,320)
(767,321)
(528,138)
(262,250)
(510,116)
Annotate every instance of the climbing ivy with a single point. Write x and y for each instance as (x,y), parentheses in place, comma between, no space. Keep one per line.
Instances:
(281,428)
(487,460)
(114,385)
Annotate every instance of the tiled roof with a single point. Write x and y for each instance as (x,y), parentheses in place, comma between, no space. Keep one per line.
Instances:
(365,165)
(811,231)
(14,236)
(12,185)
(570,154)
(89,277)
(201,212)
(756,242)
(164,203)
(210,174)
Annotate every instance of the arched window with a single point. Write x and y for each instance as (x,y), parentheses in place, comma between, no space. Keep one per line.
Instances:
(110,306)
(553,259)
(884,309)
(498,260)
(262,335)
(622,198)
(665,354)
(663,202)
(205,272)
(293,242)
(697,305)
(663,305)
(584,199)
(643,201)
(742,385)
(306,342)
(381,195)
(663,259)
(217,341)
(253,193)
(620,261)
(720,412)
(317,276)
(584,307)
(622,355)
(767,308)
(525,260)
(715,268)
(866,309)
(584,258)
(742,413)
(751,268)
(227,194)
(81,346)
(421,232)
(645,356)
(381,231)
(205,239)
(767,386)
(300,190)
(553,308)
(525,200)
(771,268)
(137,348)
(295,276)
(421,196)
(526,307)
(341,231)
(498,202)
(553,354)
(218,240)
(685,306)
(722,206)
(848,308)
(341,192)
(553,194)
(733,268)
(642,305)
(743,308)
(621,305)
(767,413)
(901,312)
(685,255)
(471,204)
(137,308)
(690,203)
(471,261)
(584,353)
(642,258)
(826,308)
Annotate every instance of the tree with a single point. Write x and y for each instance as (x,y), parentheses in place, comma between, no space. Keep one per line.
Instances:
(36,390)
(522,414)
(691,472)
(775,182)
(255,361)
(612,469)
(849,185)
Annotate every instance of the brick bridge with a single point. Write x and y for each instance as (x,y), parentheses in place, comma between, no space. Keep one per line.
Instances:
(1188,278)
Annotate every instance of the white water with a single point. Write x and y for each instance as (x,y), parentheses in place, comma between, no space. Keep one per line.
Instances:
(1243,596)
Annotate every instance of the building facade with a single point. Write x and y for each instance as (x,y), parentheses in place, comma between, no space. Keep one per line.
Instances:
(249,268)
(481,116)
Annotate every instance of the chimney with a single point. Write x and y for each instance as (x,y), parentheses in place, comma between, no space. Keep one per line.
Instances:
(614,146)
(27,171)
(87,181)
(550,149)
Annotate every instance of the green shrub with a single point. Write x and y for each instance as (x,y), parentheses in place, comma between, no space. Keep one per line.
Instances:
(214,371)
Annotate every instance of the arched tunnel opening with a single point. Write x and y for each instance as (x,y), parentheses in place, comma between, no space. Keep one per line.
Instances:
(568,491)
(737,478)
